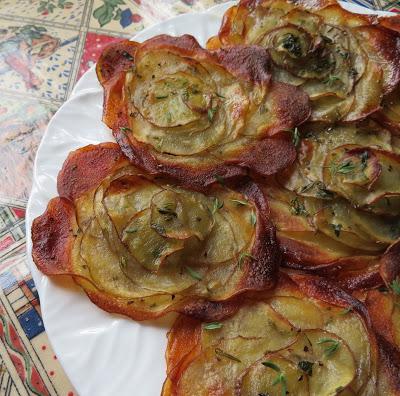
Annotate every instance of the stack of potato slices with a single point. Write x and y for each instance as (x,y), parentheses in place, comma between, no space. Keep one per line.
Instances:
(254,189)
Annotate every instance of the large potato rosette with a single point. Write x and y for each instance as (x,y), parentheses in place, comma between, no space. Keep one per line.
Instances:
(177,109)
(337,209)
(306,337)
(346,62)
(141,246)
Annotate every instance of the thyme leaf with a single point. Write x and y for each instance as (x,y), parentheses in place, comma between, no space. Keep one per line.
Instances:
(217,205)
(253,219)
(220,352)
(395,286)
(239,202)
(336,229)
(306,366)
(343,168)
(297,208)
(194,274)
(212,326)
(331,348)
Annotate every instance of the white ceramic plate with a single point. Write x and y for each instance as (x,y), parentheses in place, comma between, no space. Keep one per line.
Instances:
(102,354)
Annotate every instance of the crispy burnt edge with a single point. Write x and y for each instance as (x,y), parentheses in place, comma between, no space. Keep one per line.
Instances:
(352,273)
(380,308)
(184,337)
(265,156)
(383,31)
(55,231)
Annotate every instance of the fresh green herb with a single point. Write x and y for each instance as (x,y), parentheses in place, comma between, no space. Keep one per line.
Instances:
(253,219)
(331,80)
(383,289)
(212,326)
(167,211)
(364,160)
(159,228)
(336,229)
(123,262)
(217,205)
(281,379)
(297,208)
(131,230)
(220,352)
(331,348)
(296,137)
(395,286)
(292,44)
(220,96)
(210,113)
(306,366)
(307,187)
(125,129)
(194,274)
(271,365)
(344,168)
(239,202)
(242,257)
(326,39)
(161,96)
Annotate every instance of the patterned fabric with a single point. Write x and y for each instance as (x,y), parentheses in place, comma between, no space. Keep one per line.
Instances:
(45,47)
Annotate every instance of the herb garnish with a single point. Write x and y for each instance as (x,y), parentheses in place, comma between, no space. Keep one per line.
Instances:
(331,80)
(395,286)
(296,137)
(123,262)
(291,43)
(167,211)
(125,129)
(297,208)
(239,202)
(331,348)
(280,378)
(336,229)
(344,168)
(161,96)
(364,160)
(219,95)
(217,205)
(306,366)
(307,187)
(212,326)
(243,256)
(131,230)
(253,219)
(220,352)
(210,113)
(194,274)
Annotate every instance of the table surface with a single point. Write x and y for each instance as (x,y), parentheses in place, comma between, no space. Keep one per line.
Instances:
(45,47)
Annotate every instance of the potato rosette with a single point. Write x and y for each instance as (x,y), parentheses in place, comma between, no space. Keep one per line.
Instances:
(337,209)
(141,246)
(196,115)
(307,337)
(346,62)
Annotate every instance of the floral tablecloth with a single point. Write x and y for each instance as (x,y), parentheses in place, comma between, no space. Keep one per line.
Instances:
(45,47)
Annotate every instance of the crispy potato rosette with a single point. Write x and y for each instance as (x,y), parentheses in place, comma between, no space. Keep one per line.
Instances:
(196,115)
(141,246)
(346,62)
(337,209)
(306,337)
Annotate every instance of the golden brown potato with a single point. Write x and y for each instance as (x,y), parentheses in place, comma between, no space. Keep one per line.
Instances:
(306,337)
(182,111)
(141,246)
(337,208)
(346,62)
